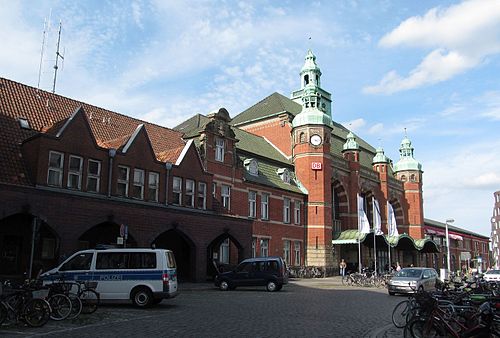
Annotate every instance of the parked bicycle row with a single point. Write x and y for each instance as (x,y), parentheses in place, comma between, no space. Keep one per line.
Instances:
(458,308)
(306,272)
(34,303)
(367,278)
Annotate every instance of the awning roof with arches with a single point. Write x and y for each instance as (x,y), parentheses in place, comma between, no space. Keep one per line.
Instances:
(403,241)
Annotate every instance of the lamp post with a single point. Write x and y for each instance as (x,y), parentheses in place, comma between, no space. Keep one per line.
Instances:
(449,220)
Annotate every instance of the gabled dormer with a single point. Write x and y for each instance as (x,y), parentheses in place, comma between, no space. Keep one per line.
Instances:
(217,139)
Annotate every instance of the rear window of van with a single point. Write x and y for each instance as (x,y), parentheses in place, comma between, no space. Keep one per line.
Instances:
(170,260)
(125,260)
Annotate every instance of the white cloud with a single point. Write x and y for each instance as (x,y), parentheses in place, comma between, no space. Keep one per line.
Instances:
(461,36)
(137,14)
(376,128)
(355,125)
(464,177)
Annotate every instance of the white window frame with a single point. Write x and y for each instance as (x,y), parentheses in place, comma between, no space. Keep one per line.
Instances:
(214,189)
(94,176)
(296,208)
(286,210)
(286,251)
(224,254)
(264,247)
(219,149)
(125,181)
(264,206)
(296,250)
(226,196)
(177,189)
(153,185)
(254,247)
(252,204)
(189,194)
(138,183)
(56,170)
(202,195)
(78,173)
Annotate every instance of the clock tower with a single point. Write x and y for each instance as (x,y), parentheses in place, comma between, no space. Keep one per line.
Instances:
(311,133)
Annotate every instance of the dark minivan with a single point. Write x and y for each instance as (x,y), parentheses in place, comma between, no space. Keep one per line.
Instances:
(263,271)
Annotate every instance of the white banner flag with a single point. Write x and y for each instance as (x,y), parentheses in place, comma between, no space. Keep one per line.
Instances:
(391,221)
(377,220)
(363,224)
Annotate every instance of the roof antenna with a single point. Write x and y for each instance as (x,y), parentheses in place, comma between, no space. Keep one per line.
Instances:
(45,34)
(58,55)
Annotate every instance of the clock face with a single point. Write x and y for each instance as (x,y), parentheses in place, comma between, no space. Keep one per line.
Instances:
(316,140)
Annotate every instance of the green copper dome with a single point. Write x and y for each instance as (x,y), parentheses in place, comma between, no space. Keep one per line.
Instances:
(406,160)
(312,116)
(350,143)
(310,63)
(380,156)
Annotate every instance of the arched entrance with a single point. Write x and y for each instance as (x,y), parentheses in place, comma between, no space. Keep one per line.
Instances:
(104,234)
(183,248)
(223,254)
(16,234)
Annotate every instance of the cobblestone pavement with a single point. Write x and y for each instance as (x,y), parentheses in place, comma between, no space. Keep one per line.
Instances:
(304,308)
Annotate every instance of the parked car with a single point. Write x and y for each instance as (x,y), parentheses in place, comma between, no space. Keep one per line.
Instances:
(144,276)
(410,280)
(270,272)
(492,276)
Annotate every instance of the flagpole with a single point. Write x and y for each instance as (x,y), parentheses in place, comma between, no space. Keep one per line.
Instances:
(359,255)
(375,249)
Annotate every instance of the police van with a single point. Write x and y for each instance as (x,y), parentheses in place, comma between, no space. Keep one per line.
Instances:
(144,276)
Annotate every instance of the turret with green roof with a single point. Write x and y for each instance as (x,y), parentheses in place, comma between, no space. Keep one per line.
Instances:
(406,160)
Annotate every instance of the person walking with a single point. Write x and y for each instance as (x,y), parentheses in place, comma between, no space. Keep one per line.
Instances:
(342,266)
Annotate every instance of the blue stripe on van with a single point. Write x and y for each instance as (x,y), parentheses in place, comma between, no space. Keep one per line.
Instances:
(110,275)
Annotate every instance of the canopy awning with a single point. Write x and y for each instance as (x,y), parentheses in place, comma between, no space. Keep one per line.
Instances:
(457,237)
(403,241)
(350,237)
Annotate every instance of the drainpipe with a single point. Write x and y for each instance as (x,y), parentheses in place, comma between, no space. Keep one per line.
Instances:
(112,153)
(168,166)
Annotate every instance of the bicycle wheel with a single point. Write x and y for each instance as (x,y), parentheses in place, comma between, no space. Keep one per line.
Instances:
(420,327)
(36,312)
(90,301)
(400,314)
(60,305)
(3,312)
(76,306)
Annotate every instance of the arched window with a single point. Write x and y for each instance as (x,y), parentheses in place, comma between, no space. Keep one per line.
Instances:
(306,80)
(412,178)
(403,178)
(252,166)
(302,137)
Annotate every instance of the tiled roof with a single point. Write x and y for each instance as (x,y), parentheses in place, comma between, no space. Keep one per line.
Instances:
(271,105)
(254,144)
(268,175)
(47,112)
(430,222)
(192,126)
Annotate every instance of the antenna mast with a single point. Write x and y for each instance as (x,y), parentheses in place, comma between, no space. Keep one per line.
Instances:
(45,26)
(58,55)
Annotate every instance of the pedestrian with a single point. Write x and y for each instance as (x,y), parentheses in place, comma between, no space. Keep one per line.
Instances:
(398,267)
(342,266)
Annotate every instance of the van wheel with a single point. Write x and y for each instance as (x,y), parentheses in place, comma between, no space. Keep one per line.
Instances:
(224,286)
(142,297)
(271,286)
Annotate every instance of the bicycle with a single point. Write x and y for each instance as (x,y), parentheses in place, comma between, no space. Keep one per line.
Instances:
(19,305)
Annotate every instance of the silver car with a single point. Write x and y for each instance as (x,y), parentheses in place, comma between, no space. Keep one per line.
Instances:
(410,280)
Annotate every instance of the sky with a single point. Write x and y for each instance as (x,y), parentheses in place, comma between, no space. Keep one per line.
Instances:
(432,67)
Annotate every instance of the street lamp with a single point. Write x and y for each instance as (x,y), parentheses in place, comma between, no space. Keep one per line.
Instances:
(449,220)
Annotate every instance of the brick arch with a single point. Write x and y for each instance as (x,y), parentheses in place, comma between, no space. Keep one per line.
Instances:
(398,212)
(104,234)
(15,245)
(340,193)
(184,251)
(236,253)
